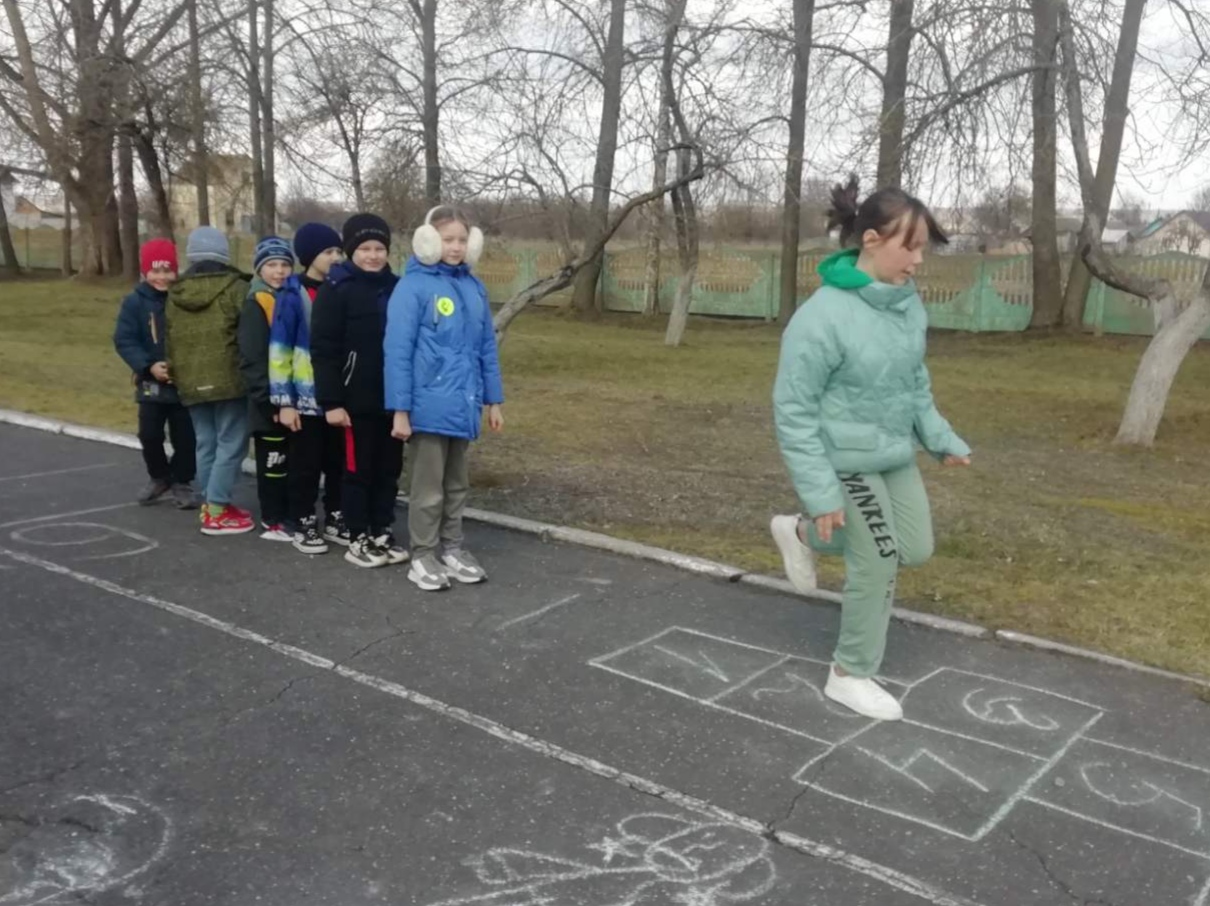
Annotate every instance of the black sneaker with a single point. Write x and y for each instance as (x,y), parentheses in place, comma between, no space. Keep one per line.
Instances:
(395,552)
(335,529)
(185,497)
(307,539)
(363,552)
(154,490)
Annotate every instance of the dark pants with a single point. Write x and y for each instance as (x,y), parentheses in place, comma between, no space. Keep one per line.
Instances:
(317,449)
(272,470)
(152,419)
(373,461)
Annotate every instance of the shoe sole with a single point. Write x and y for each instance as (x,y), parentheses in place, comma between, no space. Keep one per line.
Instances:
(303,549)
(786,545)
(467,580)
(214,533)
(398,561)
(364,564)
(265,536)
(341,541)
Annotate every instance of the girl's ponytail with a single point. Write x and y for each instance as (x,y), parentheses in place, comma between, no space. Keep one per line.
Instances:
(843,213)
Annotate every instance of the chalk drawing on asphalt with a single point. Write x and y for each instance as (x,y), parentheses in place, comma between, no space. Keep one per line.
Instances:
(85,845)
(648,859)
(120,542)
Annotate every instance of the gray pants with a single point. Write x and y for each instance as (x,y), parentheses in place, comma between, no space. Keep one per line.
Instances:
(440,481)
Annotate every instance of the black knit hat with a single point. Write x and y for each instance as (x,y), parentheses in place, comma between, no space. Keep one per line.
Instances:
(364,228)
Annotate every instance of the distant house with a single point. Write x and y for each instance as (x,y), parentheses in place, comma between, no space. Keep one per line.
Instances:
(43,210)
(1184,231)
(230,193)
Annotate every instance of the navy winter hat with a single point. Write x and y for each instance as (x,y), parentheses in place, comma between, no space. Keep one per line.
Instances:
(313,238)
(207,243)
(364,228)
(272,248)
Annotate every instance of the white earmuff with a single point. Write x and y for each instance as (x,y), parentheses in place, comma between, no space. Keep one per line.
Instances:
(426,242)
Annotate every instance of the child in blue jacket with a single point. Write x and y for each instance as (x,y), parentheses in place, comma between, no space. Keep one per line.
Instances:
(138,338)
(441,369)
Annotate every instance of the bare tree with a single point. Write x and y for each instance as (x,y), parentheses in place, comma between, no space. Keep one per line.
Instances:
(1047,282)
(201,160)
(804,14)
(1177,329)
(585,297)
(1201,199)
(1117,107)
(891,123)
(6,244)
(269,142)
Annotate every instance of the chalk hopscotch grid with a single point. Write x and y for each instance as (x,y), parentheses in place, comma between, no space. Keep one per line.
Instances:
(1021,794)
(884,874)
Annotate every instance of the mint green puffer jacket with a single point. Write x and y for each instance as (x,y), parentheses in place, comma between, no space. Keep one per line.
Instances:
(852,391)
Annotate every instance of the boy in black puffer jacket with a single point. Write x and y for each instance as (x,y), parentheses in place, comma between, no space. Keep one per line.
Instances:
(347,331)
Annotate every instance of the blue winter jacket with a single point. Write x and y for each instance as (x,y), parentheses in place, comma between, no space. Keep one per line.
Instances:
(138,338)
(442,365)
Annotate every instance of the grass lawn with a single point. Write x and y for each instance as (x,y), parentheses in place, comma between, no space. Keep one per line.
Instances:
(1054,531)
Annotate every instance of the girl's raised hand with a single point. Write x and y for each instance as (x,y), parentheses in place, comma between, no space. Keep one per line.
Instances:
(826,524)
(495,418)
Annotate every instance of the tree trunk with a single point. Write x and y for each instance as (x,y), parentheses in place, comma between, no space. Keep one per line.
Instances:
(65,265)
(201,161)
(1117,102)
(584,298)
(804,13)
(673,14)
(894,88)
(1157,370)
(432,112)
(128,207)
(255,104)
(270,142)
(1047,275)
(6,244)
(149,161)
(688,248)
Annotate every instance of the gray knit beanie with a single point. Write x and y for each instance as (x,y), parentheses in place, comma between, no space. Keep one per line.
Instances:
(207,243)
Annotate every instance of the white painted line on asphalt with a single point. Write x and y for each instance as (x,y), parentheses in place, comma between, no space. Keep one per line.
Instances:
(882,873)
(100,465)
(53,516)
(539,612)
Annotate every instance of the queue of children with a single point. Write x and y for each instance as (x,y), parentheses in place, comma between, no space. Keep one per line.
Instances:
(330,372)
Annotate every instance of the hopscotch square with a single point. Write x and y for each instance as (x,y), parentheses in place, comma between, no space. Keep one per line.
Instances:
(689,663)
(1138,793)
(790,695)
(1027,720)
(952,784)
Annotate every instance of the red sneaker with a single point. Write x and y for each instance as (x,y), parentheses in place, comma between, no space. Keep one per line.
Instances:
(240,511)
(227,522)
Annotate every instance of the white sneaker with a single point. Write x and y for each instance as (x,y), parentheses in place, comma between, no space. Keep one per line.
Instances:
(275,532)
(464,568)
(426,574)
(862,695)
(796,557)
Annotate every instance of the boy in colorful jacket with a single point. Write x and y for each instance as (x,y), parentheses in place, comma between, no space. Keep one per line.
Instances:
(442,368)
(201,320)
(273,262)
(138,338)
(316,448)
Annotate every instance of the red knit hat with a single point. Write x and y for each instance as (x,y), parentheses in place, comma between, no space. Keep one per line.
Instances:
(157,253)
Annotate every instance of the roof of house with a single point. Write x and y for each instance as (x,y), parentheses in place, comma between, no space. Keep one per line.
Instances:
(1201,218)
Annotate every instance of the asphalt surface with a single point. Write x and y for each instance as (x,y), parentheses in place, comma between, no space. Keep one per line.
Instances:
(191,720)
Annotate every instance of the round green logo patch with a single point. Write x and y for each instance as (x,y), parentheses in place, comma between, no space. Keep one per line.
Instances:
(445,305)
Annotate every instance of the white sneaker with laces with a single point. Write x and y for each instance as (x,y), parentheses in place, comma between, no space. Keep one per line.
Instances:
(275,532)
(464,568)
(796,557)
(863,695)
(427,574)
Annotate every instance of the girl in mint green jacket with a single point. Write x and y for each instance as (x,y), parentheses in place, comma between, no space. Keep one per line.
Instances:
(851,403)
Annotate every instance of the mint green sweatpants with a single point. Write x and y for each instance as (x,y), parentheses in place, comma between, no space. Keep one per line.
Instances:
(887,525)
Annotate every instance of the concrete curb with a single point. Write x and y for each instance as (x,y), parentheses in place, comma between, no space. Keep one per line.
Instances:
(550,532)
(1033,641)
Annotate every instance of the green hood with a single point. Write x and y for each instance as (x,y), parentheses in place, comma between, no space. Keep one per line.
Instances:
(197,292)
(841,271)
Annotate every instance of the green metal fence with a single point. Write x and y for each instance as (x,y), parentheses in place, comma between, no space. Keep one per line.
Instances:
(960,292)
